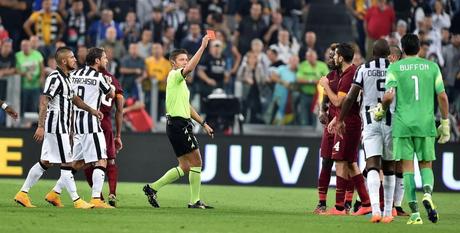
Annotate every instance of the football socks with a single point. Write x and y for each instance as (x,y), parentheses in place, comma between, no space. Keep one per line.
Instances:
(373,183)
(388,192)
(170,176)
(194,177)
(34,175)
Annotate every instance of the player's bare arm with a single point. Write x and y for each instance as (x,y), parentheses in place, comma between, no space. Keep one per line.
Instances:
(196,58)
(40,132)
(323,111)
(195,116)
(350,98)
(119,102)
(335,99)
(80,104)
(9,110)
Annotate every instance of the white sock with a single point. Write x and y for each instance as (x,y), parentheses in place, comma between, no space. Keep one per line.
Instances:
(68,182)
(59,184)
(373,185)
(388,193)
(399,191)
(98,182)
(34,175)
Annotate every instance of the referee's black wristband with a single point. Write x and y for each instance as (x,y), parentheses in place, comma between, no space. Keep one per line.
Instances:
(203,123)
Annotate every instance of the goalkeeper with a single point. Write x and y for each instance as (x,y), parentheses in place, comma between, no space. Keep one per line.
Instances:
(414,82)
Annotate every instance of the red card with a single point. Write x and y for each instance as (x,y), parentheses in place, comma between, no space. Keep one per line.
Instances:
(211,34)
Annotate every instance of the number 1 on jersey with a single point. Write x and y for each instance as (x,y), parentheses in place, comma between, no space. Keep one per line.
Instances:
(415,78)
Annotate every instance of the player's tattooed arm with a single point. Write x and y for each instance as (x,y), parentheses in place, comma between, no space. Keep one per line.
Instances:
(80,104)
(40,132)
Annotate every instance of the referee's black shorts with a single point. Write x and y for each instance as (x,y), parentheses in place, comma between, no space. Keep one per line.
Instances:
(180,134)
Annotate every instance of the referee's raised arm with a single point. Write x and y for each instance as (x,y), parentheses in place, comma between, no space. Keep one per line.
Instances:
(196,58)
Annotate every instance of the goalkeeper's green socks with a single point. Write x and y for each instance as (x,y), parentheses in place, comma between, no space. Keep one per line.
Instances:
(194,177)
(409,185)
(170,176)
(427,180)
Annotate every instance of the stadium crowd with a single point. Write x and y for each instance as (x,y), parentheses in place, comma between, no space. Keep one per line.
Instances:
(262,53)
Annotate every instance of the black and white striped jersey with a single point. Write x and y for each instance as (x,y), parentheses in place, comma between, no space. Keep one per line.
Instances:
(58,88)
(90,85)
(370,76)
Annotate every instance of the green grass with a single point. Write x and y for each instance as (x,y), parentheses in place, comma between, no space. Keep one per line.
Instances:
(238,209)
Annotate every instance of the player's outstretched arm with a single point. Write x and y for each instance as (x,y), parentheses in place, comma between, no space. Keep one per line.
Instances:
(80,104)
(9,110)
(196,58)
(195,116)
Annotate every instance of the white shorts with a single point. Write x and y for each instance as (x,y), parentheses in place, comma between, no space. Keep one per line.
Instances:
(90,147)
(56,148)
(377,140)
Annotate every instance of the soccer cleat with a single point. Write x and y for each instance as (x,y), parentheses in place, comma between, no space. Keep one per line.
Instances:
(98,203)
(54,199)
(112,200)
(81,204)
(347,207)
(415,219)
(430,209)
(199,205)
(320,209)
(356,206)
(335,211)
(151,195)
(23,199)
(363,211)
(387,219)
(394,212)
(400,211)
(376,218)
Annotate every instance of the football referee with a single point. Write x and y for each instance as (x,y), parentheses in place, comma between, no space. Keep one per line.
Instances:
(179,128)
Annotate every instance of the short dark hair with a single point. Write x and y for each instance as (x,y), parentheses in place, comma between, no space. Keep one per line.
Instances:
(61,51)
(410,44)
(381,48)
(346,51)
(395,50)
(177,52)
(93,54)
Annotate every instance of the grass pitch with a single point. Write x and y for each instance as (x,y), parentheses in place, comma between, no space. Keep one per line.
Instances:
(238,209)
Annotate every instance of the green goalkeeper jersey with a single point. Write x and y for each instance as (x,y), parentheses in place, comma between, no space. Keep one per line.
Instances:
(416,81)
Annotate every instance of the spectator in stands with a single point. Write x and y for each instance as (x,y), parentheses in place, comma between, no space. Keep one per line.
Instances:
(310,44)
(230,53)
(379,21)
(97,31)
(29,64)
(111,40)
(250,28)
(284,77)
(358,58)
(7,65)
(424,49)
(174,13)
(47,24)
(168,40)
(432,37)
(215,21)
(157,67)
(132,69)
(76,23)
(257,48)
(253,77)
(276,24)
(451,70)
(309,73)
(193,16)
(50,65)
(156,24)
(144,9)
(445,37)
(3,32)
(287,46)
(212,70)
(89,8)
(193,40)
(19,11)
(145,45)
(131,29)
(357,9)
(82,51)
(113,65)
(292,11)
(440,18)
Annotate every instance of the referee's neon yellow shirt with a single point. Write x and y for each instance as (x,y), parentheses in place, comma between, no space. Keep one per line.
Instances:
(177,95)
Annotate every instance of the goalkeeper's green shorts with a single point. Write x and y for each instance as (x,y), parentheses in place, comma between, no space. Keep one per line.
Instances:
(405,147)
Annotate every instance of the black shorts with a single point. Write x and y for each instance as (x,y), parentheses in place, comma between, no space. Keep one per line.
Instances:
(180,134)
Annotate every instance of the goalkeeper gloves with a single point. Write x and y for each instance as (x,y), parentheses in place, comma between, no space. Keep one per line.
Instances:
(378,112)
(444,131)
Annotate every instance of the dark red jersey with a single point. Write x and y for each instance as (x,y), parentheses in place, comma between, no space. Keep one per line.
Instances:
(106,106)
(334,78)
(353,119)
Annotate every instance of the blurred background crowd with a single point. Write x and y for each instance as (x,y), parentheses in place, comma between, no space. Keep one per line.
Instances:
(268,55)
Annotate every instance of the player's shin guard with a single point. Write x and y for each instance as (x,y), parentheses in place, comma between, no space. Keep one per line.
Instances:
(194,177)
(409,184)
(33,176)
(358,180)
(170,176)
(340,193)
(399,190)
(324,180)
(89,175)
(373,183)
(68,182)
(388,192)
(112,177)
(427,180)
(98,181)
